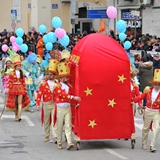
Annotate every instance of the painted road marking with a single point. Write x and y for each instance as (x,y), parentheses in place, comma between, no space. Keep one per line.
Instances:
(23,117)
(115,153)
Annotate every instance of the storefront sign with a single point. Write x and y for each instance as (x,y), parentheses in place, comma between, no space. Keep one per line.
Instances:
(128,15)
(131,24)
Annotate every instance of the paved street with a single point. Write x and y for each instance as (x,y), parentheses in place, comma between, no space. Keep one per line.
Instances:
(24,140)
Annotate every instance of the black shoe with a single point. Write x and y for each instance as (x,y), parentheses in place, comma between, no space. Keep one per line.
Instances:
(19,119)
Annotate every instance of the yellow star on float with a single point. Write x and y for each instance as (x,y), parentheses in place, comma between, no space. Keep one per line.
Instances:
(88,91)
(121,78)
(111,103)
(92,123)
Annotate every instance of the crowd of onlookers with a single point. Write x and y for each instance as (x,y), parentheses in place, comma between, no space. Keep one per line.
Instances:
(143,42)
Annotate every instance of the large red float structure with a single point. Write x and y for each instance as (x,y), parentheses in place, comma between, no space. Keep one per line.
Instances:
(102,80)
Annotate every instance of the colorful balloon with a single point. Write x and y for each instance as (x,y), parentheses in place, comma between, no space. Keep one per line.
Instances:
(19,32)
(42,28)
(64,41)
(59,32)
(4,47)
(14,49)
(111,12)
(51,37)
(45,38)
(49,46)
(56,22)
(19,40)
(121,25)
(13,39)
(24,48)
(122,36)
(127,45)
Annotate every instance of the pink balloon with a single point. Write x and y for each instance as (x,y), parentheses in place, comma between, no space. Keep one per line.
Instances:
(14,48)
(4,47)
(18,47)
(13,39)
(111,12)
(59,32)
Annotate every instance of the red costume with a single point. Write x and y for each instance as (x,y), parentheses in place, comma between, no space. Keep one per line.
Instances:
(16,86)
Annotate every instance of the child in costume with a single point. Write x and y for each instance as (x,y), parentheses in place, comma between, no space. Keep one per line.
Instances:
(17,97)
(63,97)
(5,73)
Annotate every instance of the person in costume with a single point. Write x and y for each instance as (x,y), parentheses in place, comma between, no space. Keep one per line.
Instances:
(5,73)
(17,97)
(134,89)
(46,91)
(152,111)
(30,69)
(39,46)
(63,98)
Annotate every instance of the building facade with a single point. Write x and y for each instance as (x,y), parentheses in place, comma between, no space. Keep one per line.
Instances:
(33,13)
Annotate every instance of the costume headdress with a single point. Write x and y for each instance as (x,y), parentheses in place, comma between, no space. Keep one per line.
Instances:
(156,78)
(15,58)
(52,66)
(63,69)
(65,54)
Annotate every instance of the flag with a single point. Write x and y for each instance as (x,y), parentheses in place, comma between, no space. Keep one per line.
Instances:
(102,27)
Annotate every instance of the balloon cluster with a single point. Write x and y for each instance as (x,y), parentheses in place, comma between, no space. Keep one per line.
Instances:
(120,25)
(51,37)
(17,42)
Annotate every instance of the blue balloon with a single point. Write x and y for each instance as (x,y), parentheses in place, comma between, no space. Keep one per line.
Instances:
(121,25)
(32,58)
(19,32)
(51,37)
(124,31)
(49,46)
(19,40)
(45,39)
(122,36)
(56,22)
(127,45)
(64,41)
(24,48)
(47,56)
(42,28)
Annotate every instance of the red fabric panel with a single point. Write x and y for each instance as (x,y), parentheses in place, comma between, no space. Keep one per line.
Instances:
(102,60)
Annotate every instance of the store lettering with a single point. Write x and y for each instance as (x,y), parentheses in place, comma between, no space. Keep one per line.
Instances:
(131,24)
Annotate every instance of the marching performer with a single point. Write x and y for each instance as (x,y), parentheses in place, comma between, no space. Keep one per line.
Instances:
(17,97)
(63,98)
(46,91)
(152,111)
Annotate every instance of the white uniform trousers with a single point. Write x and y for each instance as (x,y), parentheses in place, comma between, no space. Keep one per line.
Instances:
(64,117)
(48,118)
(150,116)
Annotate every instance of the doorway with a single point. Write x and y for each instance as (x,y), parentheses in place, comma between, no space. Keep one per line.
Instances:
(83,25)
